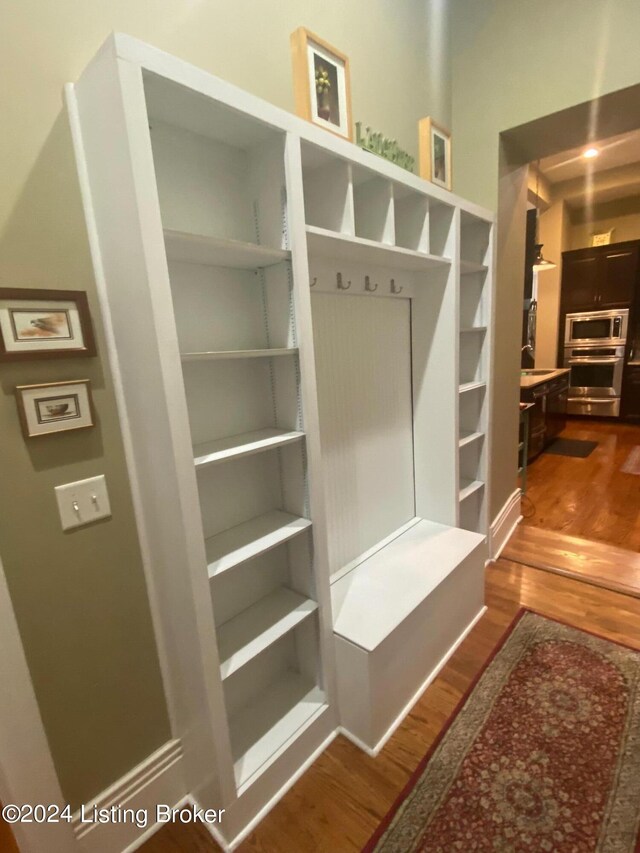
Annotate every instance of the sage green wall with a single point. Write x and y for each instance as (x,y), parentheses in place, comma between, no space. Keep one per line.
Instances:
(80,597)
(513,62)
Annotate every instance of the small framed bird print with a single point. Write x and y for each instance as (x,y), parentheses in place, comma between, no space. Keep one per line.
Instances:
(54,407)
(44,324)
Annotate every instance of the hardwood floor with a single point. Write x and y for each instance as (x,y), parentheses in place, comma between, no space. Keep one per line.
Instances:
(7,840)
(590,498)
(338,803)
(590,561)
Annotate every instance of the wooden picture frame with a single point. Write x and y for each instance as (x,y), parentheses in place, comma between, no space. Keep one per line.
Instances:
(330,108)
(44,324)
(53,407)
(434,143)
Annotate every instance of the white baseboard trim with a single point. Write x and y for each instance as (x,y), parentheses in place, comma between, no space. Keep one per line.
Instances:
(229,846)
(158,779)
(504,524)
(407,708)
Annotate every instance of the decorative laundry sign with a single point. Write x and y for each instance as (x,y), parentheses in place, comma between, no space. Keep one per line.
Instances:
(383,146)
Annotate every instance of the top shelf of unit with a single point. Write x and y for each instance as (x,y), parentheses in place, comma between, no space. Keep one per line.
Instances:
(220,252)
(332,244)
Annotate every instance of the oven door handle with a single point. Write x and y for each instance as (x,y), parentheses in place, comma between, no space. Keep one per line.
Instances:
(590,360)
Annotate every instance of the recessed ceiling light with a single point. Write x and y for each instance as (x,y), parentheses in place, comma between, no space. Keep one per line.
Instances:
(590,153)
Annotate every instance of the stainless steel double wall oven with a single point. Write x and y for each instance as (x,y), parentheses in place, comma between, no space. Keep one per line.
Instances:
(594,349)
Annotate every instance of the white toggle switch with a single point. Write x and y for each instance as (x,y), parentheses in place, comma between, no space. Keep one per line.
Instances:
(83,502)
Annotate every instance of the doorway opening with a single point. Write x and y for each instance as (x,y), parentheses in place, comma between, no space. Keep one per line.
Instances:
(577,217)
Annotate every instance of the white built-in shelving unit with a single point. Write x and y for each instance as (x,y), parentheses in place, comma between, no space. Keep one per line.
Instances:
(299,334)
(476,261)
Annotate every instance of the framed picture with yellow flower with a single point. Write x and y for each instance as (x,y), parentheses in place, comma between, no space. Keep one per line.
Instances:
(321,83)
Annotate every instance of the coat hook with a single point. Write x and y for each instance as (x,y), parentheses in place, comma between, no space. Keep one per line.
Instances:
(315,281)
(367,285)
(341,284)
(395,289)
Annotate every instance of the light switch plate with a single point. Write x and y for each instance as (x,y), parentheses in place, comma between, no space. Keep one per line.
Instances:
(83,502)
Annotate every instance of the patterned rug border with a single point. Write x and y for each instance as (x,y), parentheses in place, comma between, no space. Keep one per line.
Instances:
(417,773)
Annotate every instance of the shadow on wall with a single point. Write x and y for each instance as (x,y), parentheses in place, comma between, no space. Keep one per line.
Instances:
(80,597)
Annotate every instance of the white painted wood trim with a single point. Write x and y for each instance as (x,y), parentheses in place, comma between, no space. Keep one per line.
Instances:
(156,780)
(407,708)
(504,524)
(248,829)
(27,771)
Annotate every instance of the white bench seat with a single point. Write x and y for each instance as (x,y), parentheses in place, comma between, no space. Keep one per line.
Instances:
(398,615)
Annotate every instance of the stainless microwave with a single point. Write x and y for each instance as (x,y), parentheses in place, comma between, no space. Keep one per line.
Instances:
(596,327)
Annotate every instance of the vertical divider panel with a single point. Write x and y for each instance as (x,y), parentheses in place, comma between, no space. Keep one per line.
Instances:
(308,392)
(434,325)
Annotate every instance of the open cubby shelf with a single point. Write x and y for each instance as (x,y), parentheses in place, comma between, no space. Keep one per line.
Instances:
(259,626)
(472,386)
(469,438)
(248,540)
(468,487)
(470,267)
(260,729)
(236,446)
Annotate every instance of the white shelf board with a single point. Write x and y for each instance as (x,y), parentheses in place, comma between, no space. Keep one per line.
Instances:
(221,355)
(223,449)
(468,487)
(259,626)
(357,249)
(261,729)
(238,544)
(220,252)
(469,438)
(376,597)
(465,329)
(471,386)
(470,267)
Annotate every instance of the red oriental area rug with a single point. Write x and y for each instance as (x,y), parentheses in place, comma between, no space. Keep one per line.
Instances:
(543,754)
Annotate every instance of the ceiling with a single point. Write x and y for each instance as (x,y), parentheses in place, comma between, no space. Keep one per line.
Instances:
(615,151)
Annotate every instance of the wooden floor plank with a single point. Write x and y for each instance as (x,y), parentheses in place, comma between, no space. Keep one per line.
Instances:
(593,562)
(8,842)
(590,498)
(340,800)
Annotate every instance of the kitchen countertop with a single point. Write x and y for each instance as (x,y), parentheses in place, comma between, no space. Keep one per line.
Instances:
(532,381)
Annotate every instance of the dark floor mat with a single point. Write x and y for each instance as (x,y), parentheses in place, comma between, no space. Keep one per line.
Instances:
(571,447)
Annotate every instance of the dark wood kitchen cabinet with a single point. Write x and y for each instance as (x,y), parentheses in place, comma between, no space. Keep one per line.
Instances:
(600,277)
(631,392)
(548,415)
(579,282)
